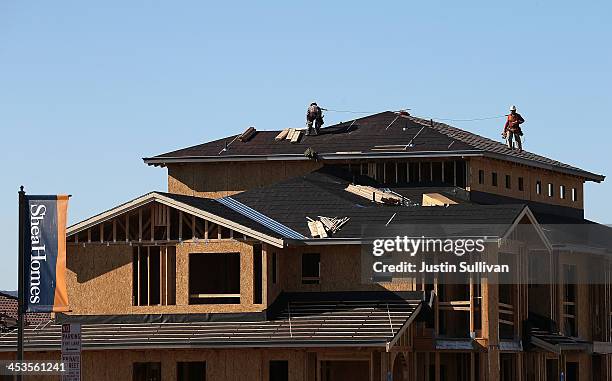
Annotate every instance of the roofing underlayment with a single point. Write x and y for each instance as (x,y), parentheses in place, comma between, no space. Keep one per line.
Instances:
(386,134)
(318,320)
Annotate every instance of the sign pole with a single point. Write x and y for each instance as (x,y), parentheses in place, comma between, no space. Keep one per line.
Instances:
(21,291)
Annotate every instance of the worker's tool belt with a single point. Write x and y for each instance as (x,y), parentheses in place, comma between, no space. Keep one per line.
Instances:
(515,130)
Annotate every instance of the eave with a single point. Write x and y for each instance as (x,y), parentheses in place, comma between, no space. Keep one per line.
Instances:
(356,155)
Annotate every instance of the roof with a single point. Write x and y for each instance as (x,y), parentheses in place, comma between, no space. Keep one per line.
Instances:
(554,341)
(8,312)
(319,320)
(290,202)
(576,232)
(278,214)
(201,207)
(383,135)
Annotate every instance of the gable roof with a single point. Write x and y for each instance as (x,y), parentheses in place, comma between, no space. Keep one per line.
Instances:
(205,208)
(290,202)
(383,135)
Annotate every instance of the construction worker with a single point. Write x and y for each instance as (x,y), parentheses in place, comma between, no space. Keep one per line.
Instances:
(512,129)
(314,115)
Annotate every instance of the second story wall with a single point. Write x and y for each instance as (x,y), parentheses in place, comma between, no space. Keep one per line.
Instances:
(489,175)
(101,279)
(227,178)
(339,270)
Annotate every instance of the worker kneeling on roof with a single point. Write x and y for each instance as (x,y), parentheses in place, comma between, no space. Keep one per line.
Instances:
(512,129)
(314,115)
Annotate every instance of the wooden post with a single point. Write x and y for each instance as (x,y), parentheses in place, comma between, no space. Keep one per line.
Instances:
(490,319)
(472,366)
(442,171)
(167,209)
(152,222)
(127,227)
(149,275)
(180,229)
(193,226)
(138,270)
(419,171)
(437,366)
(140,225)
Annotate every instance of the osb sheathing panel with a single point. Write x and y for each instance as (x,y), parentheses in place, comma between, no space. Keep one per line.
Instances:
(530,177)
(222,246)
(340,271)
(273,289)
(99,279)
(584,364)
(221,364)
(225,179)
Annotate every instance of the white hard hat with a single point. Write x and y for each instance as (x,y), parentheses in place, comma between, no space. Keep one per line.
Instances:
(513,108)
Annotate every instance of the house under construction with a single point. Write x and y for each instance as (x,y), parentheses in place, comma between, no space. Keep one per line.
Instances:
(248,267)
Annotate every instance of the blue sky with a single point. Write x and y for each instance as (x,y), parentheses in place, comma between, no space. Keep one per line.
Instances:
(88,89)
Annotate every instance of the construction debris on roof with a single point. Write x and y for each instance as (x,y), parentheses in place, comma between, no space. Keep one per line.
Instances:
(382,196)
(291,134)
(247,134)
(436,199)
(325,226)
(375,136)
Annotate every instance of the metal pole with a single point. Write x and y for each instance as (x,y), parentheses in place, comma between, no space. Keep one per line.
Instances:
(21,291)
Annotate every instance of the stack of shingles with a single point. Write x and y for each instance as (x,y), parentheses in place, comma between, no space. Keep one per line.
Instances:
(291,134)
(247,134)
(375,194)
(325,226)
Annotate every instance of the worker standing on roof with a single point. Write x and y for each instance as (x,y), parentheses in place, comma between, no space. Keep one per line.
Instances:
(314,115)
(512,129)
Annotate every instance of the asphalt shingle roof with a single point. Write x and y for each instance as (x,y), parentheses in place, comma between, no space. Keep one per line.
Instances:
(357,319)
(321,194)
(368,136)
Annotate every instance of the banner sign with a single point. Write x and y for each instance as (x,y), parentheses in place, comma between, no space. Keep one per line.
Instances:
(45,254)
(71,351)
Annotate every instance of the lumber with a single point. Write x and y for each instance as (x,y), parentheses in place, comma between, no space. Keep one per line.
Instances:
(321,229)
(374,194)
(290,133)
(296,136)
(282,135)
(312,226)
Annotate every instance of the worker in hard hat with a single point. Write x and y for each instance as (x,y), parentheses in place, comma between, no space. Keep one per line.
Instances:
(512,129)
(314,114)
